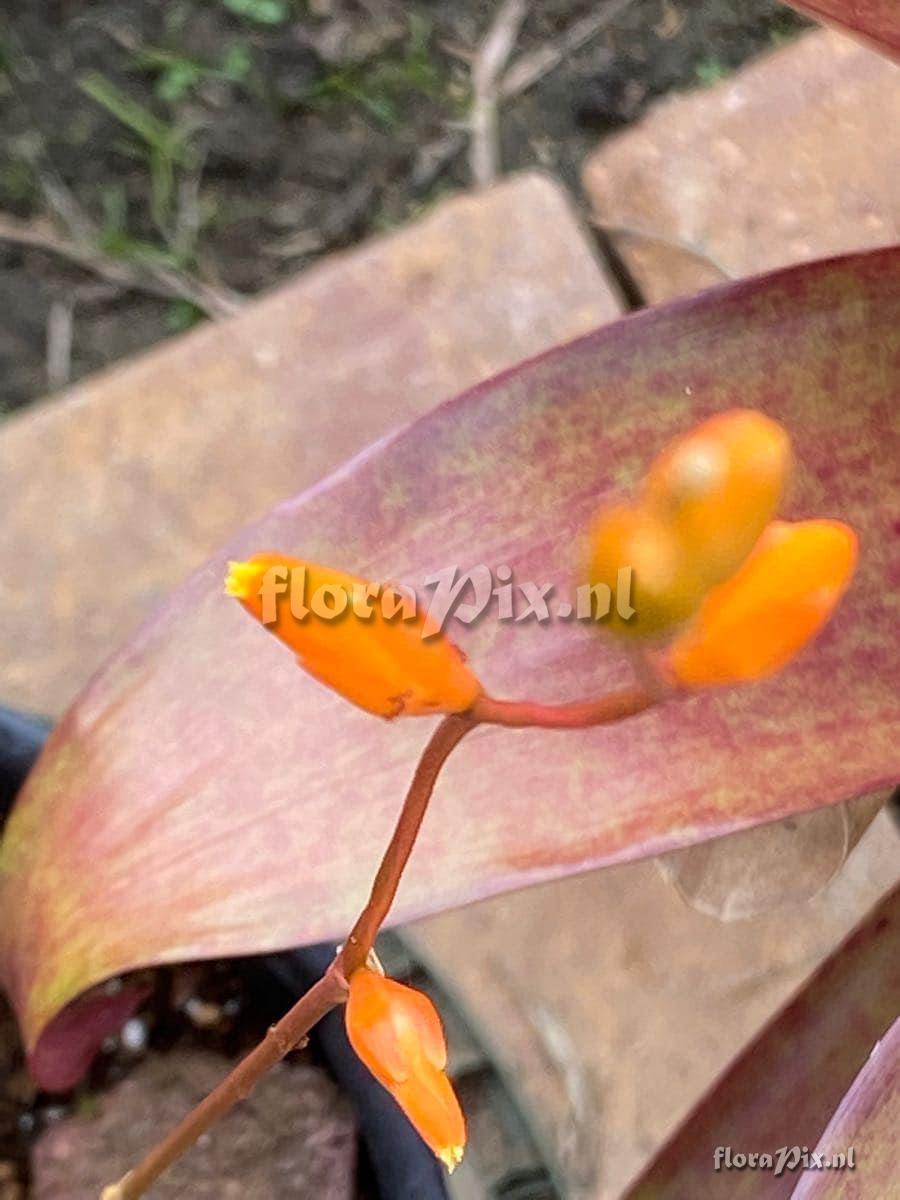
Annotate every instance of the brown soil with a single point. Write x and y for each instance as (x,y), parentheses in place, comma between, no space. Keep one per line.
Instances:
(295,1137)
(239,148)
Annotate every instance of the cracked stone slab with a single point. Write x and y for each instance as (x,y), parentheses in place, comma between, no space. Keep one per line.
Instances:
(794,157)
(614,1005)
(115,490)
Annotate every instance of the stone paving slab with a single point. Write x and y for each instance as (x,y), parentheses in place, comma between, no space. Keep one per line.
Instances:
(616,1005)
(796,156)
(114,491)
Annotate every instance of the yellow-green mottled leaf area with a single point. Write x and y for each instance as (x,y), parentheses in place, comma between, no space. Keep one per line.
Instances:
(204,797)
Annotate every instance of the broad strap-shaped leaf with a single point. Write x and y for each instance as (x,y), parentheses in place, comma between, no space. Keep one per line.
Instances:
(878,21)
(784,1087)
(868,1120)
(205,797)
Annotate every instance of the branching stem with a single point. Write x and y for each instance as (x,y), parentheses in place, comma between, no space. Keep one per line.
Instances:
(444,740)
(321,998)
(331,989)
(580,714)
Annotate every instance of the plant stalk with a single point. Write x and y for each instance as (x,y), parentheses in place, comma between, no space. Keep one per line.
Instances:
(579,714)
(443,742)
(323,996)
(331,989)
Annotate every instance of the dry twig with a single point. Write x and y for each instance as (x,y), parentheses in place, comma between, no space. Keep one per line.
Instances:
(164,282)
(524,73)
(531,68)
(59,343)
(490,59)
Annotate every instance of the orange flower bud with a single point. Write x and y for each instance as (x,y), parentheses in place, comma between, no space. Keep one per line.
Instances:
(718,486)
(364,641)
(397,1033)
(665,587)
(765,614)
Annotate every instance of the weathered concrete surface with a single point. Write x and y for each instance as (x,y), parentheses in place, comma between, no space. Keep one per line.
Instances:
(113,492)
(616,1005)
(796,156)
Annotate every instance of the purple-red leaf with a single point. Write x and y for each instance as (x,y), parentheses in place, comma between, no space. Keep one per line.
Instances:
(205,797)
(878,21)
(867,1124)
(70,1043)
(785,1085)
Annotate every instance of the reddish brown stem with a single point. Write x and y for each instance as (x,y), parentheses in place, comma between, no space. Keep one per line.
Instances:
(581,714)
(444,740)
(281,1038)
(323,996)
(331,989)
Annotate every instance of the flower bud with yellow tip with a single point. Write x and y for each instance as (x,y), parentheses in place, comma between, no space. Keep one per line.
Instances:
(367,642)
(397,1033)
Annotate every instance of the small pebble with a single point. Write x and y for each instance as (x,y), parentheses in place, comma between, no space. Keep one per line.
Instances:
(202,1014)
(134,1036)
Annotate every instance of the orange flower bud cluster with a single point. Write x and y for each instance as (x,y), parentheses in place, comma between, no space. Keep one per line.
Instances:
(736,594)
(397,1033)
(741,594)
(381,658)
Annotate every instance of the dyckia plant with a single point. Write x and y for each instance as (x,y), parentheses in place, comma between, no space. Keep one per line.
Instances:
(723,594)
(202,798)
